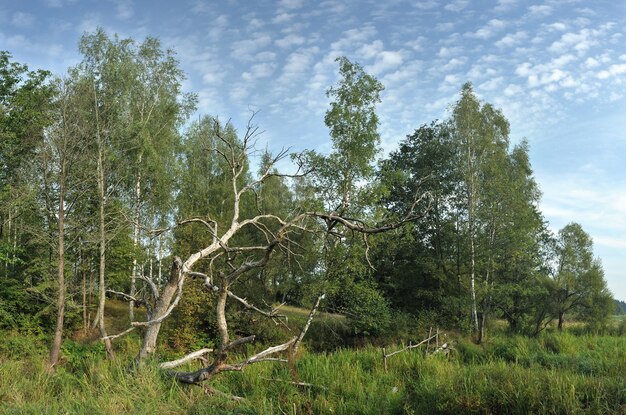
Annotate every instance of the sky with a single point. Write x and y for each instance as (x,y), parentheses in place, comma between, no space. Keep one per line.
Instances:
(556,68)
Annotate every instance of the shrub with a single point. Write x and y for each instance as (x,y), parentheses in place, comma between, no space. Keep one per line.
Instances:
(368,312)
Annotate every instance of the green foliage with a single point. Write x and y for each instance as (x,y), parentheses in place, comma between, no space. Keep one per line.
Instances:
(507,374)
(578,284)
(367,310)
(353,126)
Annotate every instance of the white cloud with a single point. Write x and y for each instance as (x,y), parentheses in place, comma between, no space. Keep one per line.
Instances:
(297,64)
(591,63)
(409,70)
(485,32)
(449,52)
(562,60)
(580,41)
(351,39)
(239,92)
(504,5)
(452,80)
(22,20)
(124,9)
(456,5)
(386,60)
(289,41)
(556,27)
(212,77)
(612,71)
(291,4)
(370,50)
(444,26)
(512,39)
(417,44)
(587,11)
(577,198)
(89,23)
(245,49)
(201,7)
(283,17)
(454,63)
(610,242)
(265,56)
(426,4)
(480,71)
(491,85)
(259,70)
(540,10)
(513,90)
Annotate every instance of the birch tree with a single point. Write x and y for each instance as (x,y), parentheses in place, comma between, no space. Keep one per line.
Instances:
(63,165)
(156,109)
(480,131)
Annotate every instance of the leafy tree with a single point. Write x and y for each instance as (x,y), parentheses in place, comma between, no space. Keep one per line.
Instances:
(481,132)
(103,69)
(340,181)
(482,219)
(579,283)
(353,127)
(154,109)
(63,182)
(420,267)
(25,255)
(514,238)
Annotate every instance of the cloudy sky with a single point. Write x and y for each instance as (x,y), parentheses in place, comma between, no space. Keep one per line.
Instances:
(557,68)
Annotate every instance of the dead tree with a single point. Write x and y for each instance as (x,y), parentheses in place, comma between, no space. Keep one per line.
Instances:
(228,263)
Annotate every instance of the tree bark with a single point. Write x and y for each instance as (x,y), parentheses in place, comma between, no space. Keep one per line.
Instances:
(83,273)
(148,345)
(473,284)
(102,227)
(58,331)
(136,217)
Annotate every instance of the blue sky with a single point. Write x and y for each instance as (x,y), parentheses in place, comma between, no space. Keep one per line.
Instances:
(557,68)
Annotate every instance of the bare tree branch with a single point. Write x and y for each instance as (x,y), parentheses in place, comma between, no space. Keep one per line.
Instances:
(306,326)
(115,336)
(191,356)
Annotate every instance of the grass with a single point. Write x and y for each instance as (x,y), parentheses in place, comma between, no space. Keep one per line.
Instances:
(557,373)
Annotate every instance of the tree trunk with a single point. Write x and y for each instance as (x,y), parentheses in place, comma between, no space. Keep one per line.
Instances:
(102,270)
(160,266)
(561,320)
(149,343)
(221,313)
(83,273)
(472,284)
(90,295)
(58,331)
(481,328)
(136,217)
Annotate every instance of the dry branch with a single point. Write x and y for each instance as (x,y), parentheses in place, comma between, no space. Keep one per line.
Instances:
(218,365)
(412,346)
(115,336)
(306,326)
(191,356)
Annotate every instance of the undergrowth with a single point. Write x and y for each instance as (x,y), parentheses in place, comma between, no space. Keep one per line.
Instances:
(556,373)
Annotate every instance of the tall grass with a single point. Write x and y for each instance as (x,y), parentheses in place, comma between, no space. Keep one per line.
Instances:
(557,373)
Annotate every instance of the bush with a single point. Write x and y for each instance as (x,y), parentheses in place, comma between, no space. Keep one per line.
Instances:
(17,346)
(368,312)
